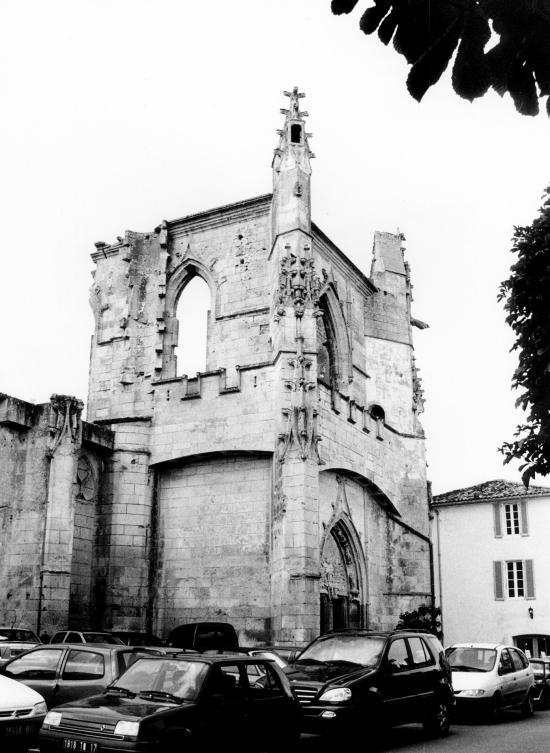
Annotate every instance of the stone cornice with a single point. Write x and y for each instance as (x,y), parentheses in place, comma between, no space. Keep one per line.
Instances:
(240,210)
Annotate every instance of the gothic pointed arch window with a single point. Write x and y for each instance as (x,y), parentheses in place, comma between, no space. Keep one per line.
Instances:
(327,369)
(192,314)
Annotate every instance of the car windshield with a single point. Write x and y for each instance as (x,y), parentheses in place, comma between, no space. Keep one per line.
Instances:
(471,659)
(176,677)
(359,649)
(14,634)
(102,638)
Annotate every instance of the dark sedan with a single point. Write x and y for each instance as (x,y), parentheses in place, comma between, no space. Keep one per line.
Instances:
(169,704)
(64,672)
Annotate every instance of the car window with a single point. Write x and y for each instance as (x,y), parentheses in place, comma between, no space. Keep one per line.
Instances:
(398,656)
(359,649)
(505,664)
(14,634)
(58,637)
(84,665)
(227,680)
(74,638)
(269,686)
(178,677)
(420,654)
(36,665)
(471,658)
(516,660)
(523,659)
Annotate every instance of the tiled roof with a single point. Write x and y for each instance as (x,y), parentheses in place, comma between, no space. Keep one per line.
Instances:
(489,490)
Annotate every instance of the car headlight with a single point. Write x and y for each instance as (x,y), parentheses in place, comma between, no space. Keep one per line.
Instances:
(40,708)
(471,693)
(53,718)
(127,728)
(336,695)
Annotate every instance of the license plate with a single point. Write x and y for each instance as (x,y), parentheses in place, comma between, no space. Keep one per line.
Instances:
(81,746)
(18,729)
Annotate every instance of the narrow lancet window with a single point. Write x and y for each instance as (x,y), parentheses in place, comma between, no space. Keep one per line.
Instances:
(192,312)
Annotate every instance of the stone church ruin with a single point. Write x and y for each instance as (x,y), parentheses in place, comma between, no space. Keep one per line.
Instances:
(282,488)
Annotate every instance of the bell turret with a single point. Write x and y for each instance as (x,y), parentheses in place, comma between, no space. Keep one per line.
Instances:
(291,209)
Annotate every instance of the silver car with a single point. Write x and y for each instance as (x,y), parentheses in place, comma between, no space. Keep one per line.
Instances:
(491,677)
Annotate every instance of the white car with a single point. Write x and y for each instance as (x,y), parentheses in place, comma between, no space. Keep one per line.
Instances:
(22,711)
(491,677)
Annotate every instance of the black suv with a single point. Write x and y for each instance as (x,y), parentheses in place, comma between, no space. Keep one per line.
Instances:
(356,681)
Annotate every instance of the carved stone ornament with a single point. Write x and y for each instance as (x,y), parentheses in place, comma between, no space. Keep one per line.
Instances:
(301,418)
(85,480)
(298,284)
(65,421)
(418,390)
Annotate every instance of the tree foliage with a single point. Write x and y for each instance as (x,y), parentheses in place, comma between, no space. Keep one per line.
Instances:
(527,302)
(425,617)
(429,32)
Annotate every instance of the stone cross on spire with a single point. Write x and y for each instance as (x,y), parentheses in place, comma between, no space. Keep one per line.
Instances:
(294,108)
(293,133)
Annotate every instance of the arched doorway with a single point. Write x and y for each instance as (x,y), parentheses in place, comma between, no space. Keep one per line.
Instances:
(340,587)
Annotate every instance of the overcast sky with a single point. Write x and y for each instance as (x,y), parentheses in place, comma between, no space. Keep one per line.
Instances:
(120,113)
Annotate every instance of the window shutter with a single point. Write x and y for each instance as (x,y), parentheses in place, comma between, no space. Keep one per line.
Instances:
(499,590)
(529,580)
(524,521)
(497,519)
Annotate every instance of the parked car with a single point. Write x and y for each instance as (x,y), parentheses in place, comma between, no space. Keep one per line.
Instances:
(541,691)
(173,704)
(490,677)
(13,641)
(351,683)
(137,638)
(64,672)
(88,636)
(22,711)
(203,636)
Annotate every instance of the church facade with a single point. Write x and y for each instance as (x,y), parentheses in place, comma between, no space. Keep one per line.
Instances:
(282,488)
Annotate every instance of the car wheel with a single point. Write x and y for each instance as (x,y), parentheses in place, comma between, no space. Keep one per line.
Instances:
(439,721)
(495,709)
(528,705)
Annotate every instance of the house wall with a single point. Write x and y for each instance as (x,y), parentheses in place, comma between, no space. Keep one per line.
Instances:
(465,548)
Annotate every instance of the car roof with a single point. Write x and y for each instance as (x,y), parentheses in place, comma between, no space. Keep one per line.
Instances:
(101,647)
(481,645)
(227,658)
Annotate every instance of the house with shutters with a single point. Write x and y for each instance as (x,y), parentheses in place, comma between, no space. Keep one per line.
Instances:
(492,564)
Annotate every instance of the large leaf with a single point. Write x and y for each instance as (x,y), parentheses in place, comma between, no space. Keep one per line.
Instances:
(342,6)
(431,65)
(471,72)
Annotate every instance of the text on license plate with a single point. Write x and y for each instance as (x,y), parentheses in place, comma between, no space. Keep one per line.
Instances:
(19,729)
(82,746)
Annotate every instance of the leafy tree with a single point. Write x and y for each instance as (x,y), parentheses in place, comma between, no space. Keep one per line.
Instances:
(428,32)
(527,302)
(425,617)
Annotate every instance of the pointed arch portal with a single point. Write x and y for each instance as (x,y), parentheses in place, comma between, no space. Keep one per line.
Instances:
(341,580)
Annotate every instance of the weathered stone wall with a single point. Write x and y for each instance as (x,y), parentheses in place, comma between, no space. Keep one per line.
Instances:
(213,557)
(23,495)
